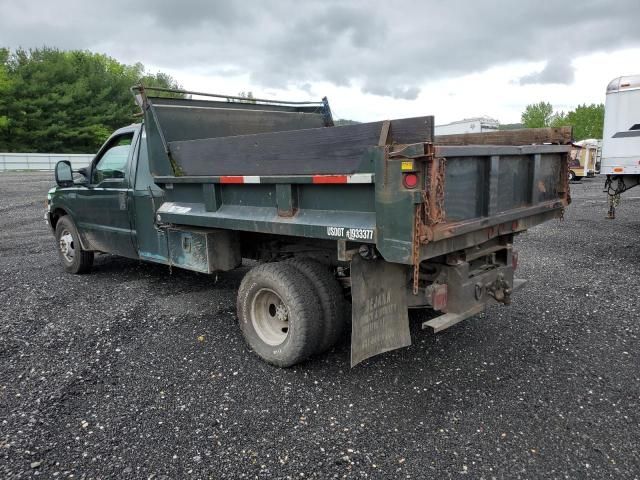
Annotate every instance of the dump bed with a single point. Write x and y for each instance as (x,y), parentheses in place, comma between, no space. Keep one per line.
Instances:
(282,168)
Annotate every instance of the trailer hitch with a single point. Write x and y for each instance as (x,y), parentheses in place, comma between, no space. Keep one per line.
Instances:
(614,186)
(500,290)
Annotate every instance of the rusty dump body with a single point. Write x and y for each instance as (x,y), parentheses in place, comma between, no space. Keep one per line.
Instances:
(213,180)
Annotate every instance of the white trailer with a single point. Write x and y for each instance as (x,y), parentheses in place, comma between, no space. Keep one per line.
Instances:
(468,125)
(621,138)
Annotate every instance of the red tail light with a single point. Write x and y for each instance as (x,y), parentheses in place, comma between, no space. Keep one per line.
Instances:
(439,297)
(410,180)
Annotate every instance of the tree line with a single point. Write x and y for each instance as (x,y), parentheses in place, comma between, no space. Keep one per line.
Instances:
(587,120)
(70,101)
(66,101)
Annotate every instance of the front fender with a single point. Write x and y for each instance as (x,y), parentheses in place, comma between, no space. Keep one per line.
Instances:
(60,203)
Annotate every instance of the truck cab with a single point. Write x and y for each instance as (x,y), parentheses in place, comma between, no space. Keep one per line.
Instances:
(112,204)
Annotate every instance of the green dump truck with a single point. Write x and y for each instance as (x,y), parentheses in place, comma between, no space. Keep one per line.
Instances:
(351,226)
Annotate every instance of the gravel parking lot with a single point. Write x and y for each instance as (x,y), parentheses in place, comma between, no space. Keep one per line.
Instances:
(133,372)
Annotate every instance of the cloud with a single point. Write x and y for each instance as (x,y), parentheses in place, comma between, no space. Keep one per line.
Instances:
(555,71)
(403,92)
(385,48)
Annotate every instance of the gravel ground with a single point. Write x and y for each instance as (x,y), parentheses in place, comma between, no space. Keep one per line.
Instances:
(131,372)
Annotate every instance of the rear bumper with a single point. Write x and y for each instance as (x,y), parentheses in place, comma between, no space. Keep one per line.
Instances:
(620,166)
(447,320)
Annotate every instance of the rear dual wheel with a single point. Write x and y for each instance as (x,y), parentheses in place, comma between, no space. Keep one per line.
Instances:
(330,297)
(290,310)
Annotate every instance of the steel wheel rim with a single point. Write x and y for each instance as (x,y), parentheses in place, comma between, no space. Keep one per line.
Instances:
(270,317)
(67,248)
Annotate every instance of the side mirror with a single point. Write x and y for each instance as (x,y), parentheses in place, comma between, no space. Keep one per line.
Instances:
(84,171)
(64,174)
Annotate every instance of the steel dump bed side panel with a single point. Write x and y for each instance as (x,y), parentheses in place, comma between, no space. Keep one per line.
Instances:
(499,178)
(310,224)
(291,205)
(335,150)
(183,119)
(188,119)
(489,191)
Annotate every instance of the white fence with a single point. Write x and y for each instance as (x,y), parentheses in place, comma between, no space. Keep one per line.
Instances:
(41,161)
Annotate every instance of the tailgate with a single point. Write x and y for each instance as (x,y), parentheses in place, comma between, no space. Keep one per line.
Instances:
(465,195)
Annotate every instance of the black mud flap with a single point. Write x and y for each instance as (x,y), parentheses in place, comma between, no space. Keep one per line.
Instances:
(380,319)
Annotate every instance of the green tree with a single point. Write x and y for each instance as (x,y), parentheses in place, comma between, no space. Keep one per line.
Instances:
(559,119)
(587,121)
(5,86)
(66,101)
(537,115)
(159,79)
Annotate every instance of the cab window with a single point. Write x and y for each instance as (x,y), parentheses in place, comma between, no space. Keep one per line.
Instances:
(113,162)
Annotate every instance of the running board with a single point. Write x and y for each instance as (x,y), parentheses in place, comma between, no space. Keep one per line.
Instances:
(450,319)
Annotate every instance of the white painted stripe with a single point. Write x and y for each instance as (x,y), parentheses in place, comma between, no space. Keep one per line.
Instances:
(360,178)
(251,179)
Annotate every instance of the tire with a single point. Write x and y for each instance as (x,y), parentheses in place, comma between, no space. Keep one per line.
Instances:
(73,258)
(572,176)
(331,299)
(279,314)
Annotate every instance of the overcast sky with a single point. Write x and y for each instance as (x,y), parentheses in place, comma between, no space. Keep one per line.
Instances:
(373,59)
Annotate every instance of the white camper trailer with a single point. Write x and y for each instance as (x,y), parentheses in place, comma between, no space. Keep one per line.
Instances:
(468,125)
(584,159)
(621,137)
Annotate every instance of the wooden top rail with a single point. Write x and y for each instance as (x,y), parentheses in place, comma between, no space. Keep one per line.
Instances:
(524,136)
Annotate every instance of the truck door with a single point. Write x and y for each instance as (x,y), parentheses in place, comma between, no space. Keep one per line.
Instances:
(102,211)
(151,241)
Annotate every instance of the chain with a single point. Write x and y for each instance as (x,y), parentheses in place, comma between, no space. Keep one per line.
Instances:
(614,201)
(425,215)
(416,249)
(435,215)
(440,191)
(426,204)
(567,188)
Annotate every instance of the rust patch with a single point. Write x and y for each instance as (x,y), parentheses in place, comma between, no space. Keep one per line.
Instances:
(541,187)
